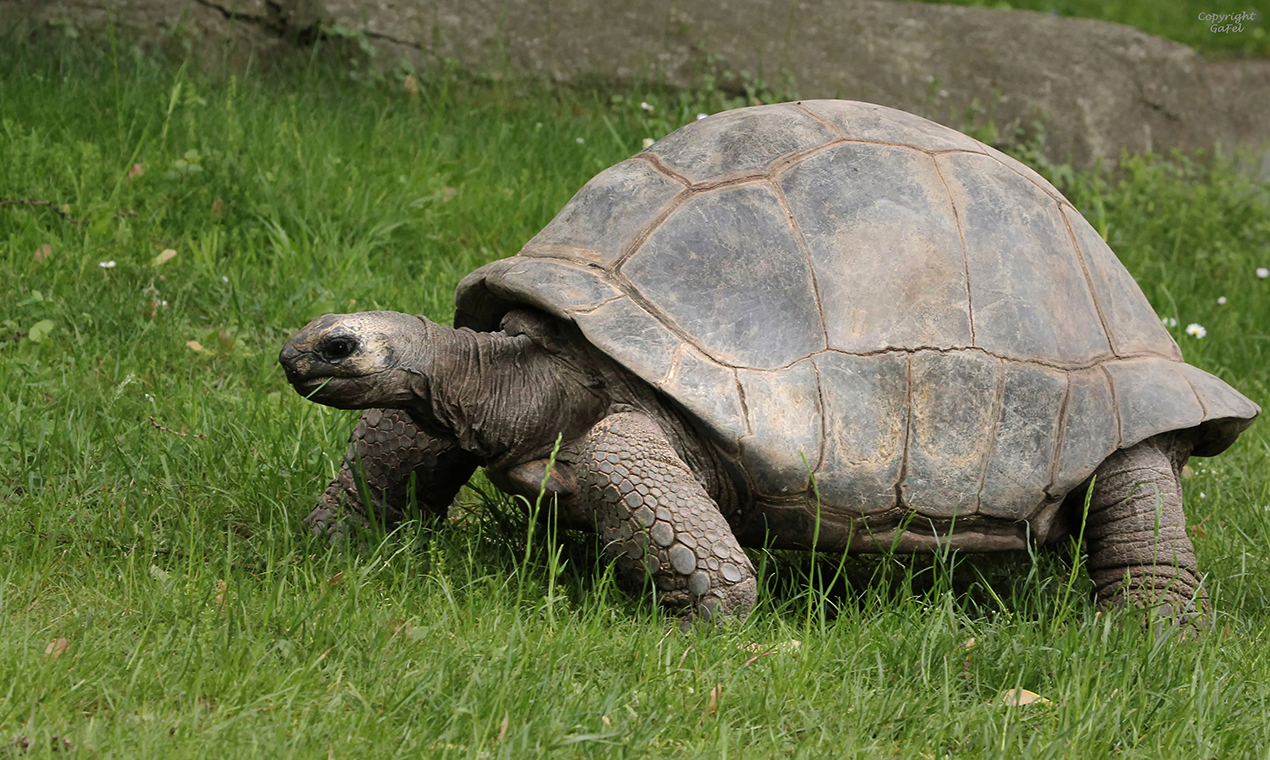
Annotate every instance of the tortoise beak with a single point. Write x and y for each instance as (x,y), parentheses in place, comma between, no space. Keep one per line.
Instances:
(294,362)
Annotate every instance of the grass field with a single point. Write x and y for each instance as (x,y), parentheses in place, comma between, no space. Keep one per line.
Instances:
(1191,22)
(158,597)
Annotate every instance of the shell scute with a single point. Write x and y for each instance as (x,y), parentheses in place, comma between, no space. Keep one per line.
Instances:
(632,336)
(571,287)
(737,143)
(607,215)
(1028,294)
(865,121)
(1089,430)
(709,391)
(1152,397)
(865,428)
(783,410)
(954,409)
(1026,171)
(749,310)
(1023,450)
(1134,327)
(884,246)
(1229,409)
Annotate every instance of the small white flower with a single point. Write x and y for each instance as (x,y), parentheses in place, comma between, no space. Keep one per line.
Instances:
(648,142)
(701,116)
(106,264)
(1195,329)
(581,140)
(1203,495)
(644,104)
(1169,321)
(1263,273)
(224,278)
(1221,301)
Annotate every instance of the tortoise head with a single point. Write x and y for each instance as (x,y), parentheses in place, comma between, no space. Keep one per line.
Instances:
(366,360)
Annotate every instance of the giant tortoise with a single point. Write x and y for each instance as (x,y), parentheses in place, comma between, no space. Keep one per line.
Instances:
(819,323)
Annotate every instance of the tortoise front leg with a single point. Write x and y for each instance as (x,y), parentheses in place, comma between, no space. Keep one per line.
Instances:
(1139,553)
(656,519)
(384,451)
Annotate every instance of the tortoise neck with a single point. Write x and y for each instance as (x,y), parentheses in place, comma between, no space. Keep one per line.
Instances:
(503,397)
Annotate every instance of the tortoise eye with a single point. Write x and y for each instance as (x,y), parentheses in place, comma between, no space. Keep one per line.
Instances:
(339,348)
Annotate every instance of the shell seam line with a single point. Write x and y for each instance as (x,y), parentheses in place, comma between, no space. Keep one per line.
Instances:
(745,408)
(824,421)
(1059,429)
(1089,280)
(832,127)
(593,307)
(638,241)
(781,163)
(965,255)
(560,253)
(655,161)
(1115,406)
(676,361)
(998,401)
(908,432)
(937,349)
(1203,408)
(801,242)
(628,289)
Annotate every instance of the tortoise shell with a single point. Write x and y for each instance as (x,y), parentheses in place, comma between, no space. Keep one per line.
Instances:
(844,290)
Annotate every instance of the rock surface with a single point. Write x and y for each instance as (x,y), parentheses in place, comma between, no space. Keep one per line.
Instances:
(1098,87)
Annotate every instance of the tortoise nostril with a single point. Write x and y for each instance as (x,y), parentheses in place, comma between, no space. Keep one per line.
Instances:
(288,356)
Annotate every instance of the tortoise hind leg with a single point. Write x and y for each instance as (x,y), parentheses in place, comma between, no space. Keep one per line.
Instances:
(656,518)
(1139,553)
(385,450)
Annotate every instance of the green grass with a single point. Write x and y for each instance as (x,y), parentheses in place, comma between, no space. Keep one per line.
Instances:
(150,493)
(1178,20)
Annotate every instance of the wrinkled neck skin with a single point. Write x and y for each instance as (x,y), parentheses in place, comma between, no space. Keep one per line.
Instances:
(504,398)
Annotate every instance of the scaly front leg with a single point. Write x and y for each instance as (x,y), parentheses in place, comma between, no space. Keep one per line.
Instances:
(384,451)
(656,519)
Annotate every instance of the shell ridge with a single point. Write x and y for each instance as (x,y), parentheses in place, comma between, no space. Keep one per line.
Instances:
(997,402)
(1115,404)
(802,247)
(1084,269)
(965,256)
(908,431)
(1061,433)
